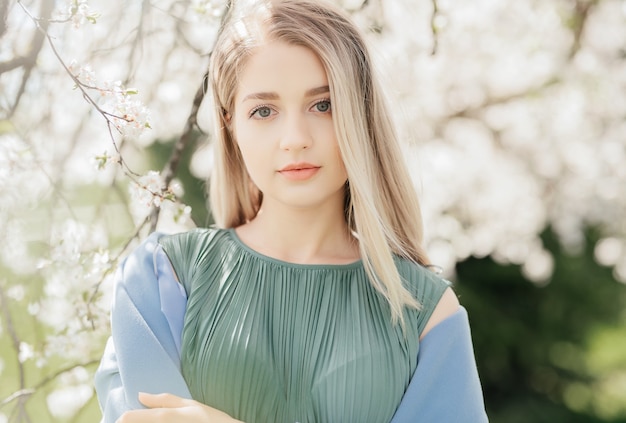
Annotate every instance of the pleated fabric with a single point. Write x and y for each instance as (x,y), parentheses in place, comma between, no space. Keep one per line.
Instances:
(268,341)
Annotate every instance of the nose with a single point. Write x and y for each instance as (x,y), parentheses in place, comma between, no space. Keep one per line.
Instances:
(296,134)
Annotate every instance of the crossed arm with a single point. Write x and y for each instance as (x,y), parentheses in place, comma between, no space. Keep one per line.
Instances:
(167,408)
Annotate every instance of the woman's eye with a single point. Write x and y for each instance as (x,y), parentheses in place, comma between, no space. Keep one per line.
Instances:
(262,112)
(322,106)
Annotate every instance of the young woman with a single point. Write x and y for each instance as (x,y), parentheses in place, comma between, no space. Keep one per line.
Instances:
(311,299)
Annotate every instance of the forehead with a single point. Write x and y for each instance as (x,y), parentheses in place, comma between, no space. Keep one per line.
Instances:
(281,68)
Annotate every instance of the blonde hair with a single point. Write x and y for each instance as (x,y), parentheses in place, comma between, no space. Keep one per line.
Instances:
(381,204)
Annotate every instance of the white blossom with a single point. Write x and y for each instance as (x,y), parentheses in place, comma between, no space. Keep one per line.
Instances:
(65,401)
(84,74)
(147,191)
(80,13)
(132,118)
(128,114)
(175,217)
(16,292)
(26,352)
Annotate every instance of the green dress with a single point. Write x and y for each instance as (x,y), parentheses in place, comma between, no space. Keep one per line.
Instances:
(268,341)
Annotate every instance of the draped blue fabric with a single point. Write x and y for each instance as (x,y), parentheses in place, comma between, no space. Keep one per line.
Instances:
(143,353)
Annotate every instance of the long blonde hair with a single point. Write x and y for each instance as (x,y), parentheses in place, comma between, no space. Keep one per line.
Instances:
(381,204)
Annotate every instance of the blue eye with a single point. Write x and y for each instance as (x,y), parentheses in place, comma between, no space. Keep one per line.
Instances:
(262,111)
(322,106)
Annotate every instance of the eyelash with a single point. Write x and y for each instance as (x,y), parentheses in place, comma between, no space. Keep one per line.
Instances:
(263,106)
(259,107)
(324,100)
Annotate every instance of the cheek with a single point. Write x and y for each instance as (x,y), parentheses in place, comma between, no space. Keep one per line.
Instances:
(250,151)
(241,137)
(256,142)
(339,157)
(243,131)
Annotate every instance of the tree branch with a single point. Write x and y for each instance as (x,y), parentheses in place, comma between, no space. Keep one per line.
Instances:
(4,12)
(15,340)
(582,10)
(171,167)
(29,59)
(492,101)
(24,394)
(137,40)
(433,27)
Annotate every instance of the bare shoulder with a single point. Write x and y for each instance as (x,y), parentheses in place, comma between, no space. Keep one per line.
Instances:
(447,306)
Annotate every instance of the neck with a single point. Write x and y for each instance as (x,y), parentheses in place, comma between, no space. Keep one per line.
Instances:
(307,236)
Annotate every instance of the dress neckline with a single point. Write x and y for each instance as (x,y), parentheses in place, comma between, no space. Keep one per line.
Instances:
(358,264)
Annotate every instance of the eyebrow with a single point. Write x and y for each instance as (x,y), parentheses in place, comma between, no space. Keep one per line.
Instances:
(274,96)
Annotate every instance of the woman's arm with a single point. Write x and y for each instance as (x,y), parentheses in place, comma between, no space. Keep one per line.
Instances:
(168,408)
(446,307)
(142,354)
(445,386)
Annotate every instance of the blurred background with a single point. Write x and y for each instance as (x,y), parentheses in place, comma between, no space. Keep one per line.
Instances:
(514,121)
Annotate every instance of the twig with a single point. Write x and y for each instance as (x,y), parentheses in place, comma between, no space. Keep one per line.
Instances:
(29,60)
(25,393)
(136,42)
(433,27)
(96,288)
(59,372)
(169,171)
(82,87)
(171,167)
(4,305)
(17,395)
(15,340)
(4,11)
(36,43)
(582,10)
(492,101)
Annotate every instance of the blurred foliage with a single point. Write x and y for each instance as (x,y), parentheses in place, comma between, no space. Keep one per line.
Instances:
(552,353)
(28,385)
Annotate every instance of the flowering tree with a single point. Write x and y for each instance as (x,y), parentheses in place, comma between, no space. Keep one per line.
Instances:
(512,112)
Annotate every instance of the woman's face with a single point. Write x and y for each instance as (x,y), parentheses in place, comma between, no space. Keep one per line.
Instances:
(283,125)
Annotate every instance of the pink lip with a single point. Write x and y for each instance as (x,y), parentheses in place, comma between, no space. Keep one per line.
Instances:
(299,171)
(298,166)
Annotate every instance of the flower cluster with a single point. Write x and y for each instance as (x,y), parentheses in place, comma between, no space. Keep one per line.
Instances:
(116,102)
(79,13)
(147,191)
(78,262)
(131,117)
